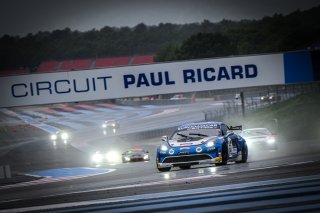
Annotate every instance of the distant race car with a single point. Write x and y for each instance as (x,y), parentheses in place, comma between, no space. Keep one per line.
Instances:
(135,154)
(259,137)
(201,143)
(104,157)
(271,97)
(60,137)
(110,127)
(177,97)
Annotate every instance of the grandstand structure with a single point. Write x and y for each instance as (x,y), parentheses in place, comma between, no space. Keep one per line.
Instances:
(14,72)
(83,64)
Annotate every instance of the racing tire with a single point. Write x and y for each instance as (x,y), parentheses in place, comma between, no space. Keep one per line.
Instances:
(163,169)
(224,155)
(244,154)
(185,167)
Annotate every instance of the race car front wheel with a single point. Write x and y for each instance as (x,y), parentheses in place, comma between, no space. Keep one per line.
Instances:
(163,169)
(224,156)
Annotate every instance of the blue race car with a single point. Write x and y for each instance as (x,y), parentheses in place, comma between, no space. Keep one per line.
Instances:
(201,143)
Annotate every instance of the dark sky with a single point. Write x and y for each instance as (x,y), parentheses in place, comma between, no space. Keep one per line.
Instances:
(20,17)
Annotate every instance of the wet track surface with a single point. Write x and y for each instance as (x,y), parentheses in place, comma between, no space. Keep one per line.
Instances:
(110,185)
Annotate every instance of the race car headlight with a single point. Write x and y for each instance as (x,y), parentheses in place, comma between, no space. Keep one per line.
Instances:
(64,136)
(126,158)
(97,157)
(163,147)
(54,137)
(210,144)
(146,157)
(271,140)
(104,125)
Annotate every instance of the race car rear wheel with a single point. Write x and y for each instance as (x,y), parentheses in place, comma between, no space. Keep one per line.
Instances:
(244,154)
(185,167)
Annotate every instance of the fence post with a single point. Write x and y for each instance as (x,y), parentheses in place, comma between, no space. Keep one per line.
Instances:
(242,104)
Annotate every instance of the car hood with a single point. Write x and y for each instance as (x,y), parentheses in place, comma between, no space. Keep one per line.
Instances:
(174,143)
(139,153)
(257,137)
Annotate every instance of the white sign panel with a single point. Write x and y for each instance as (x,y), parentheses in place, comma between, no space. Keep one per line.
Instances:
(144,80)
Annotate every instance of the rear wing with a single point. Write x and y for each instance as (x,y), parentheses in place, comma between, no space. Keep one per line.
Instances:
(235,127)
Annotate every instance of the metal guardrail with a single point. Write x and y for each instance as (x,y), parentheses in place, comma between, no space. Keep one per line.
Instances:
(232,107)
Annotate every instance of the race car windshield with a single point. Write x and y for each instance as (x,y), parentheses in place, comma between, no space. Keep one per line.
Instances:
(194,134)
(132,152)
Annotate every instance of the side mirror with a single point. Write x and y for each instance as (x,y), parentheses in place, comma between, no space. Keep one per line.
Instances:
(164,138)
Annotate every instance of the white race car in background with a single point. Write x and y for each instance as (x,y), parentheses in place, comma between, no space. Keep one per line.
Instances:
(60,137)
(110,127)
(259,138)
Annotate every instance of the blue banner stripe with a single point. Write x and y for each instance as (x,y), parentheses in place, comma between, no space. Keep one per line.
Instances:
(298,67)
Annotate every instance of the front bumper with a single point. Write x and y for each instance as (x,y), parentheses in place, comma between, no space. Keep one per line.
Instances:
(182,163)
(262,145)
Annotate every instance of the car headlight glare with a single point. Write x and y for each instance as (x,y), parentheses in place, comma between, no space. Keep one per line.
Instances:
(146,157)
(163,147)
(97,157)
(53,137)
(104,125)
(112,156)
(210,144)
(249,141)
(64,136)
(126,158)
(271,140)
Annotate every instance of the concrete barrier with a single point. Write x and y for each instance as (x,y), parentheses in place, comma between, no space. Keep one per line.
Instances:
(155,102)
(148,134)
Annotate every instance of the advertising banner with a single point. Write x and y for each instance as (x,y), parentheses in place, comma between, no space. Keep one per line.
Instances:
(142,80)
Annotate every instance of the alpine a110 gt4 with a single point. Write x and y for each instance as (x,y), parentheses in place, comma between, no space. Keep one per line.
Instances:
(201,143)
